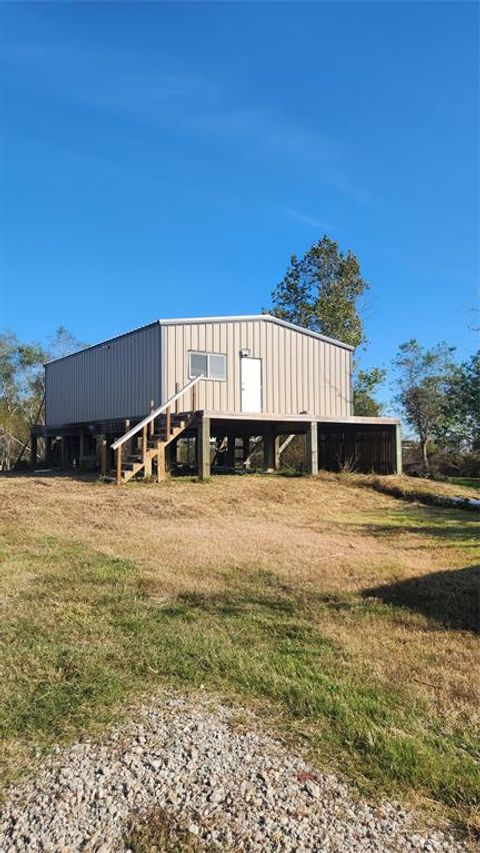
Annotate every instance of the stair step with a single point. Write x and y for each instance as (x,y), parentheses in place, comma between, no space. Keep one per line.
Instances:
(134,460)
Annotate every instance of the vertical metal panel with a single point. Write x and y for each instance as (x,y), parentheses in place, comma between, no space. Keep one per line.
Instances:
(116,379)
(300,373)
(366,448)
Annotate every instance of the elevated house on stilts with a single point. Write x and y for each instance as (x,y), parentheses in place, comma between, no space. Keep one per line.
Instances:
(219,385)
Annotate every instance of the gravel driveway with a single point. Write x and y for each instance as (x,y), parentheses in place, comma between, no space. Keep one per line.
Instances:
(222,779)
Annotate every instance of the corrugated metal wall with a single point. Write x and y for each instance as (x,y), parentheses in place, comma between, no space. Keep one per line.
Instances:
(300,373)
(116,379)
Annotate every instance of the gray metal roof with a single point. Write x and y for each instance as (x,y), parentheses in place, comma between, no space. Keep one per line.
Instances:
(269,318)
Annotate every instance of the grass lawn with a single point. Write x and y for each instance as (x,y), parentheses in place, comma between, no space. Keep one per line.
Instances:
(466,482)
(347,618)
(430,492)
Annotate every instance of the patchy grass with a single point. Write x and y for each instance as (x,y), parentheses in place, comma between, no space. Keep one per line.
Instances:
(465,482)
(347,618)
(159,832)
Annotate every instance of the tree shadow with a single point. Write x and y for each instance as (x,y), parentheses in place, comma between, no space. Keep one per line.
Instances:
(236,603)
(450,597)
(460,529)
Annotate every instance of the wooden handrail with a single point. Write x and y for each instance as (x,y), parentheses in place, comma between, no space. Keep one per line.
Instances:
(156,412)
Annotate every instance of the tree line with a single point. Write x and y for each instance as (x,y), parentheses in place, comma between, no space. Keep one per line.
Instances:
(437,396)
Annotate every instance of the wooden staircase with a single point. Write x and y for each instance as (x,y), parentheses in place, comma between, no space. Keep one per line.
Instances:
(142,448)
(151,458)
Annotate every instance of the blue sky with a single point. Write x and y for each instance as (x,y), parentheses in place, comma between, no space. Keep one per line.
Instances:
(167,159)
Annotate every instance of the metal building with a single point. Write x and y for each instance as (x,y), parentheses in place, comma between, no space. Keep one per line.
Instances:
(217,379)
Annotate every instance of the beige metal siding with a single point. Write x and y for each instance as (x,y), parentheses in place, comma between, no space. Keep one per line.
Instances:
(113,380)
(300,373)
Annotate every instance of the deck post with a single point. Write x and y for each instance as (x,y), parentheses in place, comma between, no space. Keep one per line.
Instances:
(268,448)
(203,443)
(64,454)
(81,448)
(103,455)
(230,454)
(33,450)
(398,462)
(246,451)
(48,450)
(311,448)
(277,453)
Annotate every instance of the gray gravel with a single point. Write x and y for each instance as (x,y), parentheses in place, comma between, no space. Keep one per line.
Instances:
(225,781)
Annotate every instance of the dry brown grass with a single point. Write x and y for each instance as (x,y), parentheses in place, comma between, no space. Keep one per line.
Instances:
(327,542)
(324,535)
(400,486)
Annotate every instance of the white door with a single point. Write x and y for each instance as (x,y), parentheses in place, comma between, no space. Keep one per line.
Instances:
(251,384)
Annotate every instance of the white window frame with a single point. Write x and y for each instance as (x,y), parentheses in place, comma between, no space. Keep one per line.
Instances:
(208,354)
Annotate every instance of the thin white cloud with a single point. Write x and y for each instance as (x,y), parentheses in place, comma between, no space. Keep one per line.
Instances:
(183,103)
(319,224)
(273,136)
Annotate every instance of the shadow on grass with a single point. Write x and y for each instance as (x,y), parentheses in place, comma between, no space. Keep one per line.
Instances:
(458,529)
(225,604)
(451,597)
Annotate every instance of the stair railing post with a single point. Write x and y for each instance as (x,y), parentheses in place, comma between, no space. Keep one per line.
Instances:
(147,459)
(168,423)
(160,461)
(128,444)
(152,422)
(119,464)
(194,398)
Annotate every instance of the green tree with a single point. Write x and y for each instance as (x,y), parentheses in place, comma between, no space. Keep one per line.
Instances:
(423,379)
(322,291)
(461,424)
(22,386)
(21,374)
(63,342)
(365,385)
(8,384)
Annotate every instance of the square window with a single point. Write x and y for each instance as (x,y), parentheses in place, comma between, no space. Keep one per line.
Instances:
(198,364)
